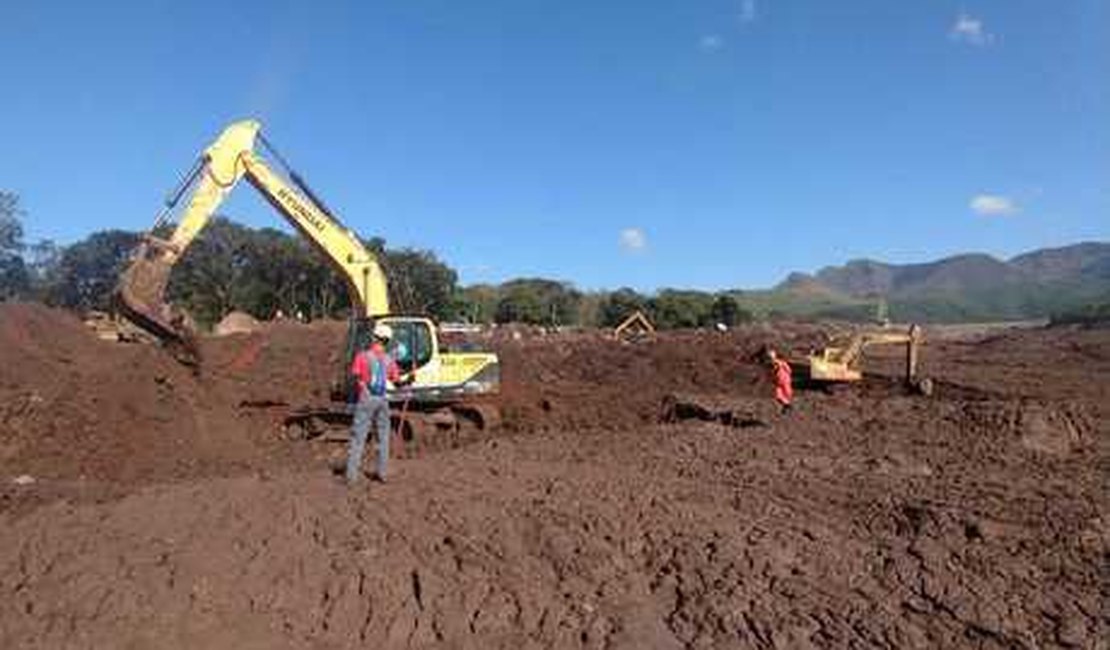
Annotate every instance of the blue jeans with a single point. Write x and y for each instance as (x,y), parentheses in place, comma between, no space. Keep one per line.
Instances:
(370,410)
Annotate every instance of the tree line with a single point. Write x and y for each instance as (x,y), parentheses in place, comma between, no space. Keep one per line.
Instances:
(232,267)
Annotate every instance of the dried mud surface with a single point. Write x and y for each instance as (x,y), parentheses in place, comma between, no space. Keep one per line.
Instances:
(156,508)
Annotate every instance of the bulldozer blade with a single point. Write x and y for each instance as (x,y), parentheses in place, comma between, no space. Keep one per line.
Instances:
(140,299)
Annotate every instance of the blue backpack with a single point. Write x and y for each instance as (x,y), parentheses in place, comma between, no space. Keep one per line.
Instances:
(376,364)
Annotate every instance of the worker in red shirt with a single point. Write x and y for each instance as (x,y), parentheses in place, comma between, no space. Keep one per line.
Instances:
(781,378)
(373,370)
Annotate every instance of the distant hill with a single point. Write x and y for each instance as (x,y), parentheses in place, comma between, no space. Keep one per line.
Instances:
(1081,262)
(959,288)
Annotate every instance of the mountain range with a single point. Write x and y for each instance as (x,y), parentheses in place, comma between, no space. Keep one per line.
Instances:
(961,288)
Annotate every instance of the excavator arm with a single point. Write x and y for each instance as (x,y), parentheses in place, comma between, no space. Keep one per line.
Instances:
(842,362)
(853,352)
(229,159)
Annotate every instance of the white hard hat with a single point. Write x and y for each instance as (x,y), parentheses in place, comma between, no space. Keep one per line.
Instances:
(383,331)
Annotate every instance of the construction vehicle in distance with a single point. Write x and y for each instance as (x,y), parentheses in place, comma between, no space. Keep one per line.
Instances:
(637,327)
(841,363)
(448,391)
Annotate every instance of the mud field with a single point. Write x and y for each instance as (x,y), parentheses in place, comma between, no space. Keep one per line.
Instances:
(144,507)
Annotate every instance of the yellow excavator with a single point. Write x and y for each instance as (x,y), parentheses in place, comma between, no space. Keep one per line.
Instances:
(841,362)
(448,391)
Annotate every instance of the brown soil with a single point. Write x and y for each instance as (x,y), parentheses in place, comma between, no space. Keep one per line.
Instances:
(171,510)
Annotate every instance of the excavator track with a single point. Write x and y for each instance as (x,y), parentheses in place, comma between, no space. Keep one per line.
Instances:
(447,427)
(419,429)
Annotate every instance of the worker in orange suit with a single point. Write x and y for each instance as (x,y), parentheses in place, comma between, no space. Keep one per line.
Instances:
(782,378)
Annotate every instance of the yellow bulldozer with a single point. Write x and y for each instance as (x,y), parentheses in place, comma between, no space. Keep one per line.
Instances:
(448,389)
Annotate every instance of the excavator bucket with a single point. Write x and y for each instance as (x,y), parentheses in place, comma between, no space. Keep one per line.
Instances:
(141,299)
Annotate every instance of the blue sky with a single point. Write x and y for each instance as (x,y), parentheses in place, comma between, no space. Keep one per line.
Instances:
(647,143)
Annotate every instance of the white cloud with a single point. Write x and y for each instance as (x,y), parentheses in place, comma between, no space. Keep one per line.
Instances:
(632,240)
(970,30)
(747,11)
(993,205)
(710,43)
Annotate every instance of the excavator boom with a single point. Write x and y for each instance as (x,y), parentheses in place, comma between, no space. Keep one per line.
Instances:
(841,363)
(231,157)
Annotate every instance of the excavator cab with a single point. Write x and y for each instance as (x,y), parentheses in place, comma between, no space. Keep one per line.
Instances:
(413,344)
(413,347)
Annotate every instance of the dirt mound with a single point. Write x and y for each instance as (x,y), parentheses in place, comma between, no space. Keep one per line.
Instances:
(1036,363)
(288,363)
(591,381)
(78,408)
(236,322)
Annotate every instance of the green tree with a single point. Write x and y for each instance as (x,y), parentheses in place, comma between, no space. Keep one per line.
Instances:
(44,257)
(419,283)
(538,301)
(589,309)
(477,303)
(11,227)
(619,305)
(673,308)
(276,271)
(87,271)
(231,266)
(207,277)
(327,293)
(727,310)
(520,304)
(15,280)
